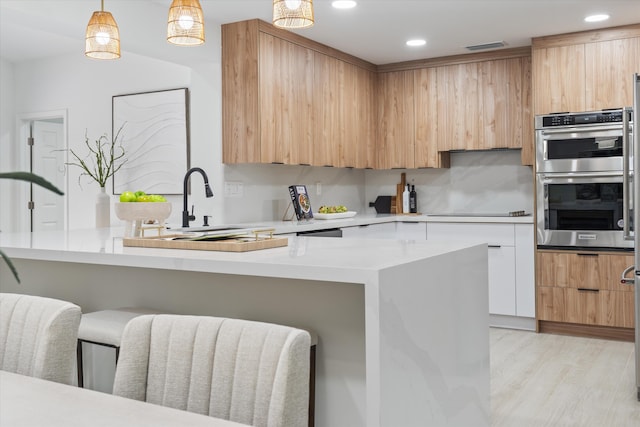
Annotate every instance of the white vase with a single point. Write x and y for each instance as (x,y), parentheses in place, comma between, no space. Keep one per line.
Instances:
(103,209)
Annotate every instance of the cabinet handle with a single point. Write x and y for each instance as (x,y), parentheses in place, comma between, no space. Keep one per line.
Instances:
(588,290)
(494,246)
(581,254)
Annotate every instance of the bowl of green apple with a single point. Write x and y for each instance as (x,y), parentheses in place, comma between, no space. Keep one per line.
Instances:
(139,208)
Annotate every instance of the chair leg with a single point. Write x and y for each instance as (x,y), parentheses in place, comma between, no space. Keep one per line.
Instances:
(79,364)
(312,386)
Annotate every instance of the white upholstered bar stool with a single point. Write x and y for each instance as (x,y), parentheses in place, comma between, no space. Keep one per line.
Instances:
(105,328)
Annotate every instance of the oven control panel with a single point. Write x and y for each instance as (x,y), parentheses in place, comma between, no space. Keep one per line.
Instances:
(577,119)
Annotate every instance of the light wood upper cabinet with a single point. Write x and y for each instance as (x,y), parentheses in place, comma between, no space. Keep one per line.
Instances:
(459,120)
(427,133)
(396,138)
(495,88)
(363,120)
(328,108)
(527,152)
(485,105)
(585,71)
(408,130)
(240,117)
(502,86)
(286,96)
(344,128)
(558,79)
(609,67)
(287,99)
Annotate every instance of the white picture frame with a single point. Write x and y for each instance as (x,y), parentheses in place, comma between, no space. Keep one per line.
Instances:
(155,137)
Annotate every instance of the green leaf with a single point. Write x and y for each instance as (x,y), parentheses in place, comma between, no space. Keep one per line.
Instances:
(33,178)
(11,266)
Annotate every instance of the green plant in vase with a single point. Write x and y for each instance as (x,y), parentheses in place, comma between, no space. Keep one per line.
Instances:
(105,158)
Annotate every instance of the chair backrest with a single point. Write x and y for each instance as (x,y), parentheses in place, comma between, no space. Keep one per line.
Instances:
(38,336)
(249,372)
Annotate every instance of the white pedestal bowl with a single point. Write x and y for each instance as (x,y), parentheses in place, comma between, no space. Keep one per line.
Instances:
(135,214)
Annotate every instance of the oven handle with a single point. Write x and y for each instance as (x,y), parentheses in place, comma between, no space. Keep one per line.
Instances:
(579,129)
(626,187)
(552,177)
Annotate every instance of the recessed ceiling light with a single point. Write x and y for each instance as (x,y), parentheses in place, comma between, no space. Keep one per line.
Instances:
(343,4)
(596,18)
(416,42)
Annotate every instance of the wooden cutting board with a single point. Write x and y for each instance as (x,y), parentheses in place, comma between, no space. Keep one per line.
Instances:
(243,244)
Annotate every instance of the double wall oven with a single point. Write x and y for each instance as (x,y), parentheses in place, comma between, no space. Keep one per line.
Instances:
(580,168)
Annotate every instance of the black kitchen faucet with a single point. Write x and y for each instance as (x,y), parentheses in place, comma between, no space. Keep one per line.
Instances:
(186,217)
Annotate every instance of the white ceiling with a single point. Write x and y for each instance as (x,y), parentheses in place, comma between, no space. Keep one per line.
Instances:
(375,30)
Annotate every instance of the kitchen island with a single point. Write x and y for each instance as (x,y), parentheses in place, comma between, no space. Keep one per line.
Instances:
(402,325)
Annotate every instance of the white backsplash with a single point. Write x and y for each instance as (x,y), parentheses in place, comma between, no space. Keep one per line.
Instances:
(477,182)
(266,190)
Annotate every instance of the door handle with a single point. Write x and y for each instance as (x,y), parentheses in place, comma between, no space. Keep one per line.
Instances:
(627,204)
(623,278)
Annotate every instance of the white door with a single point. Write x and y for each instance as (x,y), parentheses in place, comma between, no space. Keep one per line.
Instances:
(48,162)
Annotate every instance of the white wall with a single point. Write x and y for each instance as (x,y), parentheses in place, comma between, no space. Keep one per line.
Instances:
(84,89)
(7,145)
(476,182)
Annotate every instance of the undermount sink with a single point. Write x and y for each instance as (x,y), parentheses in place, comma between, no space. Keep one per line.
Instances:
(209,228)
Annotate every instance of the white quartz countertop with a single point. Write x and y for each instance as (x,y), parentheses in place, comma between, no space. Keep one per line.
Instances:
(286,227)
(343,260)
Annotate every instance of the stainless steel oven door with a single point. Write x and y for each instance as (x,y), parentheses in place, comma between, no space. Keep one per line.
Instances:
(595,148)
(580,210)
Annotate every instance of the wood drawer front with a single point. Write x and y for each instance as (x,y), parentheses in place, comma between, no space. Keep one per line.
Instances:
(582,270)
(492,234)
(588,307)
(550,304)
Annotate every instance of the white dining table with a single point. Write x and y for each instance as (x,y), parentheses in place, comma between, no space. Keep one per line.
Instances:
(30,402)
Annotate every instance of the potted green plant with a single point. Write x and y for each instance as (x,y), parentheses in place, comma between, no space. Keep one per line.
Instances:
(32,178)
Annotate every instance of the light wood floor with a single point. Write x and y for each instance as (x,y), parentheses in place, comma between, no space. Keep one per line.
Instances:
(553,380)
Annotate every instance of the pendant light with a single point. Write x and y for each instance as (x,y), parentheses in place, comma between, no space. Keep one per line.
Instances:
(293,13)
(185,26)
(102,39)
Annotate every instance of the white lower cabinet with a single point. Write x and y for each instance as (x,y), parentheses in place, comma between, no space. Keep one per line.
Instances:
(411,230)
(510,250)
(525,271)
(502,273)
(388,230)
(511,260)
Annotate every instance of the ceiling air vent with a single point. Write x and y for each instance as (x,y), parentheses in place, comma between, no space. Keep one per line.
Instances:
(484,46)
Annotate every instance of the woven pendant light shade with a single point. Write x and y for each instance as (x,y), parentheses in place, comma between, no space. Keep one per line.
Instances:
(102,39)
(293,13)
(185,26)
